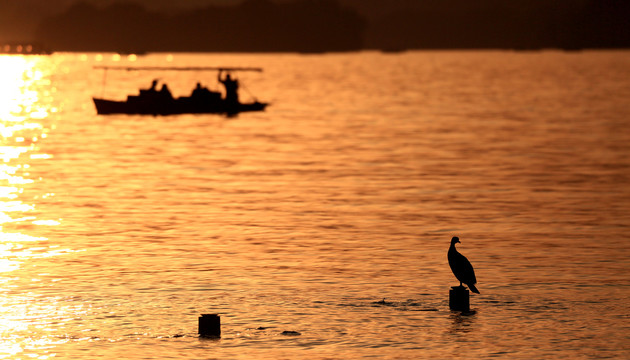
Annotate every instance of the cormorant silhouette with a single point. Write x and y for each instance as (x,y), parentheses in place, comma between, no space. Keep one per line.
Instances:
(461,267)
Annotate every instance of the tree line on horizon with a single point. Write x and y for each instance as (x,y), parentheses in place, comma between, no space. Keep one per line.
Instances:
(328,25)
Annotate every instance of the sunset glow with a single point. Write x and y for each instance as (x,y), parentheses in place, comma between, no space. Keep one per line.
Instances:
(297,170)
(17,98)
(22,83)
(24,111)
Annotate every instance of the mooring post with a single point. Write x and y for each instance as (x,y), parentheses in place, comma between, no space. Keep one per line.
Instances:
(459,299)
(210,325)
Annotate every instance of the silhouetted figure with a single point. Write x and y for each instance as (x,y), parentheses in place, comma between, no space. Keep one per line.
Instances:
(165,92)
(461,267)
(200,91)
(153,85)
(152,92)
(203,95)
(231,88)
(197,90)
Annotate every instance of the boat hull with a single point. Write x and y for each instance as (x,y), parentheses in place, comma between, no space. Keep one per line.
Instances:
(139,106)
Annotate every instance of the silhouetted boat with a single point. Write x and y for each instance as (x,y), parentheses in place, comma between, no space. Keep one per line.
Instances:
(158,105)
(161,102)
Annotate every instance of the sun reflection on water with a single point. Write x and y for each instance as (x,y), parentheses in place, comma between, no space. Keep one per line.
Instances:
(25,91)
(23,81)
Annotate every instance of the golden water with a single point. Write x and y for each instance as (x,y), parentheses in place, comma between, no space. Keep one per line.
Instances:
(119,231)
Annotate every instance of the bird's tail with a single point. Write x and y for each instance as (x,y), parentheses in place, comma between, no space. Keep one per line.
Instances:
(473,288)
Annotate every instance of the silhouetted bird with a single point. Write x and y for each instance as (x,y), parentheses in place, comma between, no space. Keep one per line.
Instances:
(461,267)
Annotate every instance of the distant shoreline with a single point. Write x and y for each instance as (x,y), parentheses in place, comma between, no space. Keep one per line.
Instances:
(318,26)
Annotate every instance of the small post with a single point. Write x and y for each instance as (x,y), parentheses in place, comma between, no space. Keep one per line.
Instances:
(459,299)
(210,325)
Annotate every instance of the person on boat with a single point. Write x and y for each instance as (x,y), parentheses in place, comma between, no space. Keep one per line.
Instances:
(202,93)
(199,91)
(165,92)
(153,85)
(231,88)
(150,92)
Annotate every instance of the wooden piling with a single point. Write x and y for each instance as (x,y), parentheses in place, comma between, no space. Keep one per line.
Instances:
(459,299)
(210,325)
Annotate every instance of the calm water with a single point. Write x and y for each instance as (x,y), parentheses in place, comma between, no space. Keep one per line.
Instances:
(119,231)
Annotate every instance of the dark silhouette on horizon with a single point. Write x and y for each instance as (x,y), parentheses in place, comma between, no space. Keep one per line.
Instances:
(498,24)
(312,26)
(252,26)
(461,267)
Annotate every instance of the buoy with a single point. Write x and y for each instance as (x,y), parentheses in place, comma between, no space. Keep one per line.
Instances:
(291,333)
(459,299)
(210,325)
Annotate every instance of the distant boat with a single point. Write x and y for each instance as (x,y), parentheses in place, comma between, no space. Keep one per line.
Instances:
(161,102)
(157,104)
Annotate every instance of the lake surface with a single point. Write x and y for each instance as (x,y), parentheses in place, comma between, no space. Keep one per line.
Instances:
(119,231)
